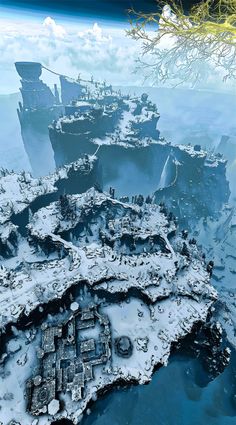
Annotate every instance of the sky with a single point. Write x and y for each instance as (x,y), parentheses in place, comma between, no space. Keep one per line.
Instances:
(72,37)
(86,37)
(84,45)
(108,9)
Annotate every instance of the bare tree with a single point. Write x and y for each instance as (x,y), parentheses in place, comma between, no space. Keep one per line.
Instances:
(179,47)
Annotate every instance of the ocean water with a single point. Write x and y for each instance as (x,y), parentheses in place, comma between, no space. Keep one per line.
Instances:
(175,396)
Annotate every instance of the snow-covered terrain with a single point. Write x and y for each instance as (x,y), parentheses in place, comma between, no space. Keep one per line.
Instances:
(150,281)
(96,291)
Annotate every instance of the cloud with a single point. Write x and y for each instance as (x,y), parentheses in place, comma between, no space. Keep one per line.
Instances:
(94,34)
(54,29)
(106,53)
(81,48)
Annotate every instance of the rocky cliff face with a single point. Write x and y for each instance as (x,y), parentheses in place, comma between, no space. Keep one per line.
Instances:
(132,154)
(195,184)
(21,195)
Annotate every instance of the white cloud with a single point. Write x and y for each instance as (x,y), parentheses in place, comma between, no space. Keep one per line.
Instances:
(102,51)
(54,29)
(69,50)
(95,34)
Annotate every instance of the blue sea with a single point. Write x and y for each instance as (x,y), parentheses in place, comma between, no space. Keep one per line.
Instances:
(173,397)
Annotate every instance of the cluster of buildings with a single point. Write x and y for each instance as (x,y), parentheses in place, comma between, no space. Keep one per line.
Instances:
(67,359)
